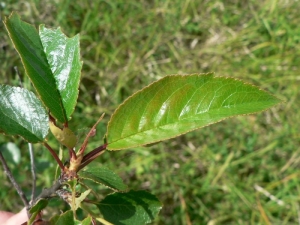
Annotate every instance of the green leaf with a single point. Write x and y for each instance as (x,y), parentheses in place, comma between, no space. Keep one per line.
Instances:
(28,44)
(80,199)
(178,104)
(134,207)
(66,219)
(63,56)
(11,152)
(104,176)
(21,113)
(36,209)
(86,221)
(40,205)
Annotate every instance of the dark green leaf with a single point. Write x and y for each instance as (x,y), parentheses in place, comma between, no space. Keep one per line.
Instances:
(63,56)
(28,44)
(66,219)
(21,113)
(11,152)
(34,211)
(178,104)
(40,205)
(105,176)
(134,207)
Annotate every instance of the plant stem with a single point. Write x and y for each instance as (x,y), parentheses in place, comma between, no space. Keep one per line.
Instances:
(30,148)
(13,181)
(49,192)
(91,156)
(61,165)
(90,134)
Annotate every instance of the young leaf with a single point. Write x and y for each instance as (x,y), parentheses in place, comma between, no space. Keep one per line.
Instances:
(178,104)
(28,44)
(80,199)
(21,113)
(65,136)
(134,207)
(105,176)
(64,59)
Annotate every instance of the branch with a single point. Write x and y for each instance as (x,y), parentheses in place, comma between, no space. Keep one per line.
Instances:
(32,171)
(48,192)
(61,165)
(13,181)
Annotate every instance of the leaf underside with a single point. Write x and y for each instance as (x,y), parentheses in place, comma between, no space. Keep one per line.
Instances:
(21,113)
(177,104)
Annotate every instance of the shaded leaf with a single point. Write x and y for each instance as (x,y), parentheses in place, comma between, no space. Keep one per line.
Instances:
(66,219)
(35,210)
(21,113)
(178,104)
(64,59)
(38,206)
(28,44)
(134,207)
(11,152)
(103,175)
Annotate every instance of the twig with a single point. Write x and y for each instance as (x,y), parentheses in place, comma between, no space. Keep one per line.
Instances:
(49,192)
(13,181)
(90,134)
(91,156)
(32,171)
(61,165)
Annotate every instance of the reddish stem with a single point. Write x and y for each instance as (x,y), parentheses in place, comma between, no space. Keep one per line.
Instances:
(91,156)
(61,165)
(90,134)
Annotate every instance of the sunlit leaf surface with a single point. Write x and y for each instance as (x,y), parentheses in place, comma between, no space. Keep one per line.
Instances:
(21,113)
(28,44)
(178,104)
(64,59)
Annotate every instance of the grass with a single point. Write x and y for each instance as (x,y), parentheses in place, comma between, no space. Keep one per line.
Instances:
(234,172)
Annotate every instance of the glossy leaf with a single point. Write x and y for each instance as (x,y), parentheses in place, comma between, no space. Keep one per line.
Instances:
(21,113)
(64,59)
(178,104)
(11,152)
(104,176)
(134,207)
(66,219)
(28,44)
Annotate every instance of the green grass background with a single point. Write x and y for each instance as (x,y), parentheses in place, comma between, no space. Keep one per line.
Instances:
(215,175)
